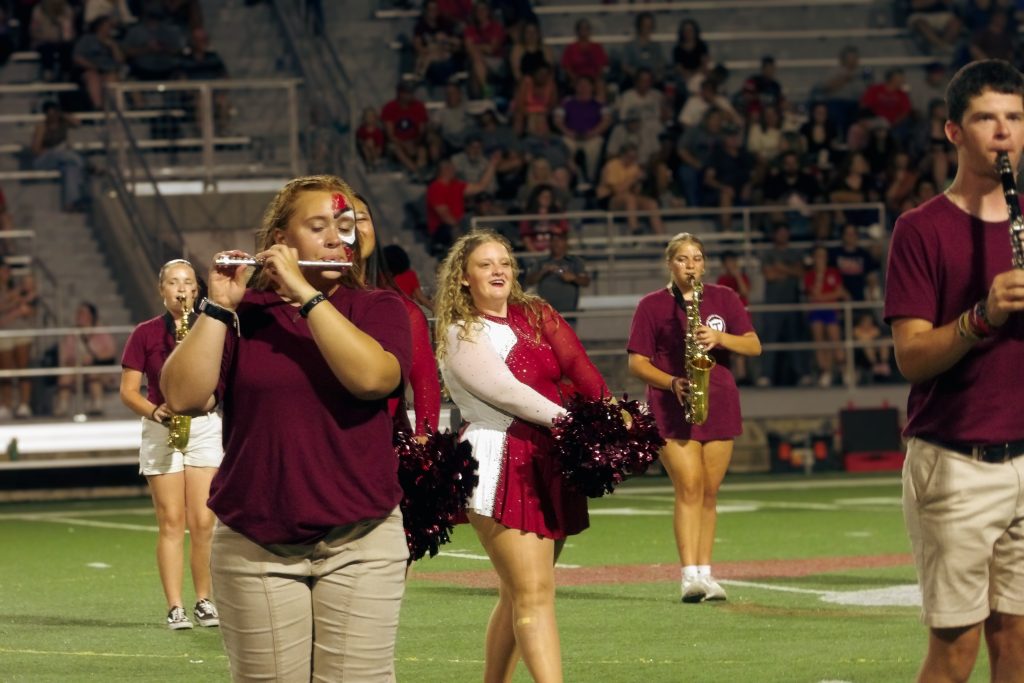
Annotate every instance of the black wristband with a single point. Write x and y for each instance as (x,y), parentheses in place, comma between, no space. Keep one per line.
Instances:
(308,306)
(224,315)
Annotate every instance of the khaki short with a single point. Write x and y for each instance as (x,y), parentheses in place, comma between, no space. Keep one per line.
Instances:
(963,516)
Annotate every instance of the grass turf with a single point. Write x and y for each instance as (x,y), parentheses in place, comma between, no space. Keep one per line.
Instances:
(80,597)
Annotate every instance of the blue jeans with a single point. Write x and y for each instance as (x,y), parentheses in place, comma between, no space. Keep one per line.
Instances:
(72,173)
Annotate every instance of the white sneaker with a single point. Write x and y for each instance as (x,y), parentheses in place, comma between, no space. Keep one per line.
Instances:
(5,413)
(713,590)
(693,590)
(23,411)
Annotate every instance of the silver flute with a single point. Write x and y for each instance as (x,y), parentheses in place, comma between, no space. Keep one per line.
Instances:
(1009,180)
(258,263)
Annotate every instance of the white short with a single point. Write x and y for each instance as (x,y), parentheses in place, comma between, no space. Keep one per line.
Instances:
(204,448)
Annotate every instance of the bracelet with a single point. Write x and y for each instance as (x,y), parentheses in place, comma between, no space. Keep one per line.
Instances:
(979,320)
(152,415)
(964,328)
(219,313)
(308,306)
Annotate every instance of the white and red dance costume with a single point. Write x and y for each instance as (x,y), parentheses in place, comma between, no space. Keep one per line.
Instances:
(658,332)
(506,383)
(426,388)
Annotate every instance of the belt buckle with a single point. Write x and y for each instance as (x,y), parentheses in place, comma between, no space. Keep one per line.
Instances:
(992,454)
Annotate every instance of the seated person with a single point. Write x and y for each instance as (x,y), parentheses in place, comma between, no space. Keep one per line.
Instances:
(98,59)
(871,361)
(89,350)
(154,47)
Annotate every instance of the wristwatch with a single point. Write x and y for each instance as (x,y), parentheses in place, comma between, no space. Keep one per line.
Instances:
(224,315)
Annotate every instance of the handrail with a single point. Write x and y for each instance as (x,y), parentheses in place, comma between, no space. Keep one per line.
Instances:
(686,6)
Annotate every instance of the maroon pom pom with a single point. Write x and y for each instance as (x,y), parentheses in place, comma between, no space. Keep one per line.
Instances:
(437,478)
(595,449)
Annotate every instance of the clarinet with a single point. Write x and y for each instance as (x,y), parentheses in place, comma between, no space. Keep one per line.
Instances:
(1009,179)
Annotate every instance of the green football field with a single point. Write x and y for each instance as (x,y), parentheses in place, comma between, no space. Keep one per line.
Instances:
(820,582)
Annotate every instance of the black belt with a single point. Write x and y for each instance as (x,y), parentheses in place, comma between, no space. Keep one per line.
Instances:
(991,453)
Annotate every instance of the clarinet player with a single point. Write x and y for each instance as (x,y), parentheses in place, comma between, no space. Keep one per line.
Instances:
(953,299)
(179,474)
(696,456)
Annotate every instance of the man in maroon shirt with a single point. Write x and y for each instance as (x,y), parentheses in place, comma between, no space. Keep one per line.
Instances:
(953,300)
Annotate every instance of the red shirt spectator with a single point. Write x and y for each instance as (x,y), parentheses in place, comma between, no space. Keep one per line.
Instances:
(458,11)
(488,33)
(889,99)
(730,281)
(831,282)
(445,192)
(406,115)
(584,58)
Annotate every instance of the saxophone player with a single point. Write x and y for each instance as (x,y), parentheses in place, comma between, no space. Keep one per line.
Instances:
(696,456)
(179,475)
(953,299)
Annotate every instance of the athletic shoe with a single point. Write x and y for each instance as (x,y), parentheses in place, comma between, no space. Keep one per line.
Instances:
(206,614)
(177,619)
(23,411)
(714,590)
(693,590)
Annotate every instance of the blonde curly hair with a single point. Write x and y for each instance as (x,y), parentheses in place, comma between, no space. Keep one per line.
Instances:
(454,303)
(280,211)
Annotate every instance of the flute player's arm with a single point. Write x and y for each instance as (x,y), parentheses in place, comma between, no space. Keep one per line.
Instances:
(192,371)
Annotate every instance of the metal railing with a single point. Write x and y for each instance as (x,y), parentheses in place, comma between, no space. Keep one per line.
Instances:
(260,114)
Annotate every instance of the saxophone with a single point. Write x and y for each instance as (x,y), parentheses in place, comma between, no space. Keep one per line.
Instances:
(180,425)
(698,363)
(1009,179)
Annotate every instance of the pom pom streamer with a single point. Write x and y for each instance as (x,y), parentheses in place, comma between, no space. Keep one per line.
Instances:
(595,449)
(437,478)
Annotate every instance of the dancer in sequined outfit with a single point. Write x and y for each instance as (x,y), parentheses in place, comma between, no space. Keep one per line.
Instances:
(503,355)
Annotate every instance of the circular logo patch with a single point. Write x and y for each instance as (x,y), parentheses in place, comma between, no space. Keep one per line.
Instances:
(716,322)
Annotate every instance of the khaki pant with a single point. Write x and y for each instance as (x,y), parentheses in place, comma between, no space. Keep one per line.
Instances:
(965,519)
(322,612)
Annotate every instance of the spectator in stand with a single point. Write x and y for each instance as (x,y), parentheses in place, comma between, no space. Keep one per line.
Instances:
(51,152)
(792,187)
(540,142)
(204,64)
(824,284)
(560,276)
(540,173)
(728,175)
(820,136)
(890,101)
(997,40)
(446,207)
(936,21)
(783,270)
(899,182)
(872,361)
(486,206)
(694,147)
(764,136)
(20,306)
(690,54)
(499,138)
(154,47)
(85,349)
(761,90)
(530,52)
(735,278)
(586,58)
(535,233)
(642,52)
(472,165)
(453,122)
(486,46)
(660,185)
(186,14)
(117,10)
(405,277)
(844,87)
(583,121)
(98,59)
(853,185)
(53,36)
(707,97)
(514,15)
(629,131)
(649,104)
(536,94)
(856,265)
(405,124)
(436,43)
(880,149)
(370,136)
(459,12)
(620,190)
(933,88)
(932,147)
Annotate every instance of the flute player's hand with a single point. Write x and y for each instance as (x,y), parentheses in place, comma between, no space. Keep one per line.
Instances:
(281,264)
(226,284)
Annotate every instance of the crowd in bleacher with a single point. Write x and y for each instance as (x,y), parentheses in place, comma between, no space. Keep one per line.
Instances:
(527,128)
